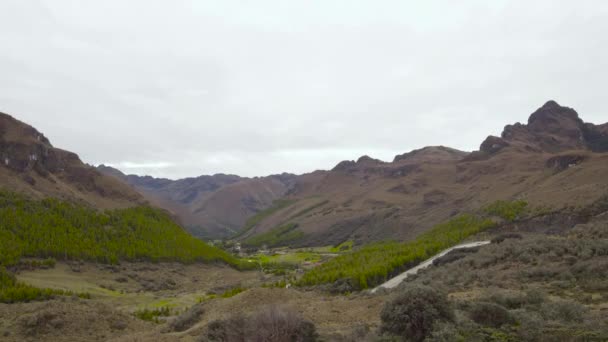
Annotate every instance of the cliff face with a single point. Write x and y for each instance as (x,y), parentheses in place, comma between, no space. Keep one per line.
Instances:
(29,163)
(551,128)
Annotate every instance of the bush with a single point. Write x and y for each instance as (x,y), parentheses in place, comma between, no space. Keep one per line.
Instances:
(186,320)
(276,324)
(271,324)
(509,211)
(414,312)
(563,310)
(152,315)
(232,292)
(502,237)
(490,314)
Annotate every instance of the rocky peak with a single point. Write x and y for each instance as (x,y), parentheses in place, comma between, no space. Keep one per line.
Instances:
(369,160)
(551,128)
(553,118)
(431,153)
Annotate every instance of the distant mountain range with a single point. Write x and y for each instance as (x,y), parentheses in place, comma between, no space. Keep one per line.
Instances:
(555,160)
(210,206)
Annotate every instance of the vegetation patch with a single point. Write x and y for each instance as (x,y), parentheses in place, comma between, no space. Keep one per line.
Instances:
(271,324)
(257,218)
(309,209)
(508,210)
(279,236)
(233,292)
(152,315)
(376,263)
(12,291)
(68,231)
(413,314)
(343,247)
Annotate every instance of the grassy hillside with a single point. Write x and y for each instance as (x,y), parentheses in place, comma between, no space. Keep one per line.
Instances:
(376,263)
(257,218)
(63,230)
(279,236)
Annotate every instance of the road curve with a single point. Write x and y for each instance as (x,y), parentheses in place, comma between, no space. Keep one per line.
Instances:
(398,279)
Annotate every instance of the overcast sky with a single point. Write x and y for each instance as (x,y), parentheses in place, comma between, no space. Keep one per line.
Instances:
(185,88)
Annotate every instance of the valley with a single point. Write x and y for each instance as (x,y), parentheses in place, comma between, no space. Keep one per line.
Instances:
(89,253)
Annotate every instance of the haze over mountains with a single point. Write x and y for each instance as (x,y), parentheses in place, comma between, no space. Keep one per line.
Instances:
(430,198)
(210,206)
(553,160)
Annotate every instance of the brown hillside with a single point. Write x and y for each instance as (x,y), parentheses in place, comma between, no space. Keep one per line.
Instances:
(31,165)
(210,206)
(554,160)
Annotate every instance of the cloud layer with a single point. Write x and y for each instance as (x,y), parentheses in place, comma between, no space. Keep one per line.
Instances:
(184,88)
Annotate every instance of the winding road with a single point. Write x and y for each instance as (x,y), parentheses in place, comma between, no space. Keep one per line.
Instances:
(398,279)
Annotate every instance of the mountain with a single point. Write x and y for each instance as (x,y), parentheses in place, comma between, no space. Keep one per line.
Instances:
(556,160)
(30,164)
(54,205)
(210,206)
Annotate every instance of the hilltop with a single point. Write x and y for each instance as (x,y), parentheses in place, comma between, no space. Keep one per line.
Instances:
(555,161)
(30,164)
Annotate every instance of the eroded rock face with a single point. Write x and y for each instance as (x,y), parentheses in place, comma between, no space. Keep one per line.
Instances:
(553,128)
(493,144)
(563,162)
(28,156)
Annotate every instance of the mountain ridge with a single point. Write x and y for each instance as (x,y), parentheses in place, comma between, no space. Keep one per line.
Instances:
(31,164)
(554,160)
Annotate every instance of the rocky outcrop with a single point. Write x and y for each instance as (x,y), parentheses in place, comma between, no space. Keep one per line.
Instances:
(27,156)
(431,154)
(563,162)
(493,144)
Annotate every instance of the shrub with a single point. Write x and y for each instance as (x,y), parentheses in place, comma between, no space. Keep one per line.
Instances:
(490,314)
(413,313)
(564,310)
(502,237)
(276,324)
(186,320)
(509,211)
(228,330)
(232,292)
(271,324)
(152,315)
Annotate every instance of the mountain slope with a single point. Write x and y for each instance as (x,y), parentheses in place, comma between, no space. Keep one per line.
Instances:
(555,160)
(54,205)
(210,206)
(30,164)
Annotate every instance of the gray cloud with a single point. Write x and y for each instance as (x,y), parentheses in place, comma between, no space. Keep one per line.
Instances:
(183,88)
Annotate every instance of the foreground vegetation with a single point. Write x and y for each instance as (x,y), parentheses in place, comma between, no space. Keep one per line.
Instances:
(524,288)
(68,231)
(376,263)
(12,291)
